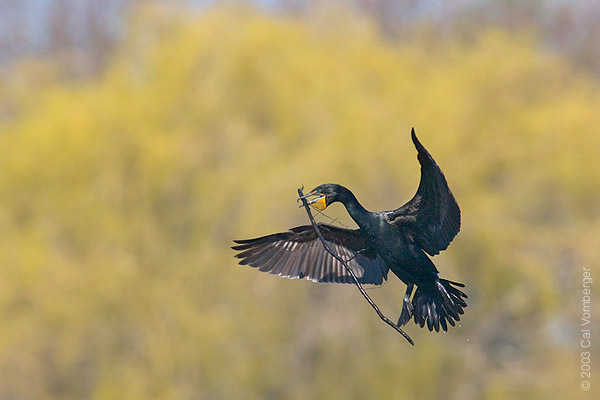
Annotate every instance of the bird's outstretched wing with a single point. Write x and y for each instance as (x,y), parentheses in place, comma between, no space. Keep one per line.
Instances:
(432,215)
(298,253)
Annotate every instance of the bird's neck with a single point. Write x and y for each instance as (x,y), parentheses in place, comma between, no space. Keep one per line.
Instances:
(358,213)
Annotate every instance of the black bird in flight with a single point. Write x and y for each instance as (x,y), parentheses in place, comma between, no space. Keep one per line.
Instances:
(397,240)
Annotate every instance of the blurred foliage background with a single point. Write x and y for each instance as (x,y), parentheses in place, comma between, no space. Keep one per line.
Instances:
(138,138)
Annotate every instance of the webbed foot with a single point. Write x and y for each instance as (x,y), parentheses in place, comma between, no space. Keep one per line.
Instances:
(407,307)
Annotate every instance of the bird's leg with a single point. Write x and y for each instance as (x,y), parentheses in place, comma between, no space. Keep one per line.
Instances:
(407,306)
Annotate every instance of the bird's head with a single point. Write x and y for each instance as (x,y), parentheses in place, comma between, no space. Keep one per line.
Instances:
(323,195)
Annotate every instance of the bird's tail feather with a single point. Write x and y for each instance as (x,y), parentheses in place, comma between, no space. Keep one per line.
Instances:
(439,305)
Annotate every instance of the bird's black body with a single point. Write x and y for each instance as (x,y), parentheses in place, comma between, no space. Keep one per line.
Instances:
(395,240)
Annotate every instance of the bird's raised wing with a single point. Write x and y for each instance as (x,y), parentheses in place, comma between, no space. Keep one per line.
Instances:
(298,253)
(432,215)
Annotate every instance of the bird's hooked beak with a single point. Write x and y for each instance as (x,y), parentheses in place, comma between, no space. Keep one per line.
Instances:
(320,202)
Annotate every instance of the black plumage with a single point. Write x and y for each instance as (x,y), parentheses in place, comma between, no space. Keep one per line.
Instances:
(397,240)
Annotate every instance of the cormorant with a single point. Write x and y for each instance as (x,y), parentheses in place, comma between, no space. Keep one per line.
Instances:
(395,240)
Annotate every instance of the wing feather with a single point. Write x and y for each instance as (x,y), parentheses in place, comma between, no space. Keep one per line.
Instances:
(432,215)
(298,253)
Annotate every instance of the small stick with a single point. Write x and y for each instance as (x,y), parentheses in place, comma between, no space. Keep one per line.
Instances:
(356,282)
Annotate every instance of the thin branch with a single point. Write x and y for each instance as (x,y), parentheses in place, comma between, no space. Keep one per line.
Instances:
(356,282)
